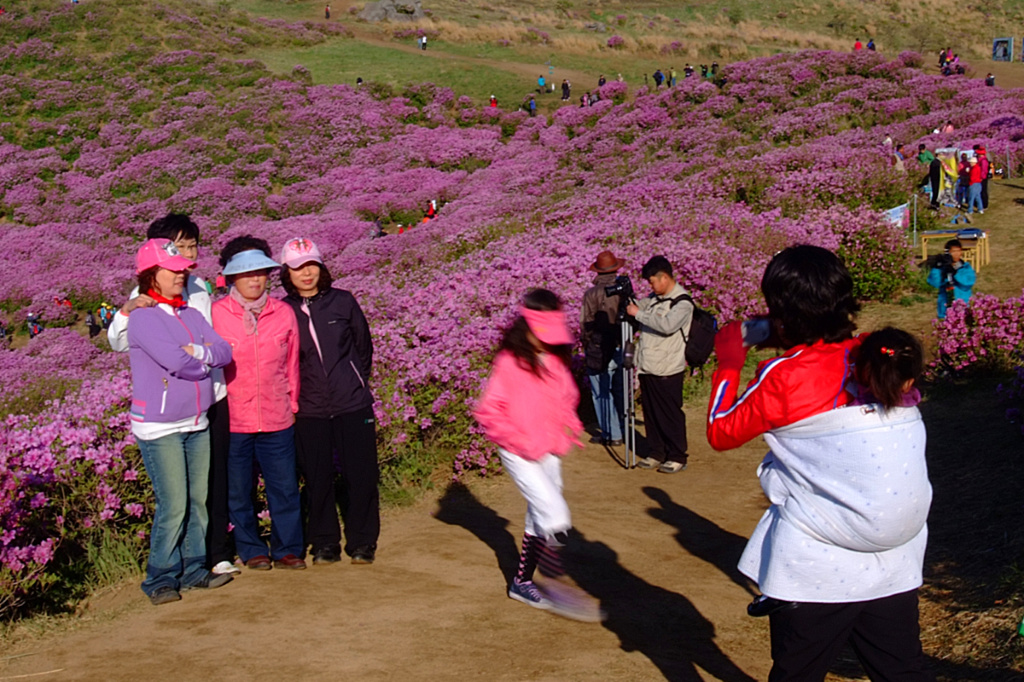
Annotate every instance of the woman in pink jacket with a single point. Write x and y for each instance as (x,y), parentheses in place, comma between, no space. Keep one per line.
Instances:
(263,393)
(528,409)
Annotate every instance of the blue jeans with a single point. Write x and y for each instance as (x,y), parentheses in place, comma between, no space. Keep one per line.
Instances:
(275,453)
(606,390)
(179,466)
(974,197)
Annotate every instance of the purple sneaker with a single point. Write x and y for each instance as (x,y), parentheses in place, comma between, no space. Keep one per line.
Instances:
(527,593)
(571,602)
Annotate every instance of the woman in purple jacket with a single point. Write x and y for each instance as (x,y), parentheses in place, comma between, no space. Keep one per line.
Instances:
(172,348)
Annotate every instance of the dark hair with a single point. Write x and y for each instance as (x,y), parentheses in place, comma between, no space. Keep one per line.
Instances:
(953,242)
(921,146)
(147,279)
(657,264)
(886,360)
(516,339)
(322,284)
(240,244)
(810,296)
(173,226)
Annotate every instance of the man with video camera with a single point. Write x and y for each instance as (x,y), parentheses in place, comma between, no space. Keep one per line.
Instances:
(952,276)
(664,319)
(602,344)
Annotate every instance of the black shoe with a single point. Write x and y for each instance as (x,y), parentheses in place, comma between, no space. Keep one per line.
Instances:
(766,606)
(614,443)
(210,581)
(164,595)
(326,555)
(364,555)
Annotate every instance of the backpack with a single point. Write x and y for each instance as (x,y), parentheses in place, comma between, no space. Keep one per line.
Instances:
(701,341)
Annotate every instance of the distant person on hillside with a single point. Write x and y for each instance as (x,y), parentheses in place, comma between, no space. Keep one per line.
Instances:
(924,157)
(659,77)
(541,84)
(952,276)
(942,56)
(985,169)
(35,327)
(93,326)
(704,71)
(493,103)
(566,90)
(423,42)
(528,409)
(359,81)
(327,12)
(620,79)
(948,127)
(871,44)
(963,181)
(532,106)
(990,80)
(974,188)
(934,180)
(857,46)
(839,554)
(898,158)
(687,71)
(714,69)
(601,81)
(672,76)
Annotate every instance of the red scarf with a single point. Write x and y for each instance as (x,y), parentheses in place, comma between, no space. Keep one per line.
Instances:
(176,302)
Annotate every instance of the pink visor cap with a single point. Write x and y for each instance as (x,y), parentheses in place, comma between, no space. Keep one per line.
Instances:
(299,251)
(547,325)
(161,252)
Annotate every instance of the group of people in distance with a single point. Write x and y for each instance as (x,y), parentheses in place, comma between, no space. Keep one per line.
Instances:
(838,556)
(221,388)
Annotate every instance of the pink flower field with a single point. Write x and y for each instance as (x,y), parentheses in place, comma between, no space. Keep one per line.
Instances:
(717,176)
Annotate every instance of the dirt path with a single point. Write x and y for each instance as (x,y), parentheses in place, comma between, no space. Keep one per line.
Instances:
(659,552)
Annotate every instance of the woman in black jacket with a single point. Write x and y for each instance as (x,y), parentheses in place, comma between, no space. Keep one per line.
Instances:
(335,408)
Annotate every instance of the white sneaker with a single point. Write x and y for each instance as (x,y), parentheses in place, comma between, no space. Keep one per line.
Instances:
(225,568)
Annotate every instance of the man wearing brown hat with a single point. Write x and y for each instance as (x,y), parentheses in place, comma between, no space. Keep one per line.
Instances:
(602,351)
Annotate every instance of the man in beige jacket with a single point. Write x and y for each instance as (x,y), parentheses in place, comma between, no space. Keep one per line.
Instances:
(664,319)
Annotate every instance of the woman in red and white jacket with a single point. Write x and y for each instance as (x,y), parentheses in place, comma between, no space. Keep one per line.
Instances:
(263,393)
(819,593)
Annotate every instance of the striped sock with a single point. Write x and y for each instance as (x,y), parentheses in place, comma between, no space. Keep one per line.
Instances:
(550,560)
(532,546)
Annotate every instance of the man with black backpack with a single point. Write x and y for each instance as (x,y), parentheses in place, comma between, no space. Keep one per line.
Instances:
(664,318)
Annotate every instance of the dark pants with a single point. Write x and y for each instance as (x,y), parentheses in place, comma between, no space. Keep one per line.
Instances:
(884,634)
(662,400)
(275,453)
(219,544)
(354,437)
(984,193)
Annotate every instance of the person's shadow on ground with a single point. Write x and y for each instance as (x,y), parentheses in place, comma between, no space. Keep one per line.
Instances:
(702,538)
(459,507)
(662,625)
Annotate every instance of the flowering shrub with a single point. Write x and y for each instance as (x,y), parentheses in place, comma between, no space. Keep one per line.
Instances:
(616,41)
(718,178)
(535,35)
(72,477)
(989,333)
(673,48)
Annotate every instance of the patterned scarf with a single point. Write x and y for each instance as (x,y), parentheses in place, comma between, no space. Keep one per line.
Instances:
(250,309)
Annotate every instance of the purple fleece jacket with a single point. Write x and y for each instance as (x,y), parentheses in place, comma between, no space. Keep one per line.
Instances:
(168,384)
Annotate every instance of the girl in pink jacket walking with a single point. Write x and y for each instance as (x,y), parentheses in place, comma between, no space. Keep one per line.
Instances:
(528,409)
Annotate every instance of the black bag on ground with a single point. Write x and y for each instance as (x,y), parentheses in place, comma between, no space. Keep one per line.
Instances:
(701,341)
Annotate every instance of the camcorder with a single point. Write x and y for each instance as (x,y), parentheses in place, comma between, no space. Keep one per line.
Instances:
(623,288)
(944,262)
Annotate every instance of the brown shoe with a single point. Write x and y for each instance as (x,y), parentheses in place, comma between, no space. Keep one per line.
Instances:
(290,561)
(259,563)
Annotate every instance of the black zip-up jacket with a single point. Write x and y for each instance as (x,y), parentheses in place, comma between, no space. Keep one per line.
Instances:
(340,384)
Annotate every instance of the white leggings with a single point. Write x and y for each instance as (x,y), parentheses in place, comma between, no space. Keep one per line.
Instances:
(540,482)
